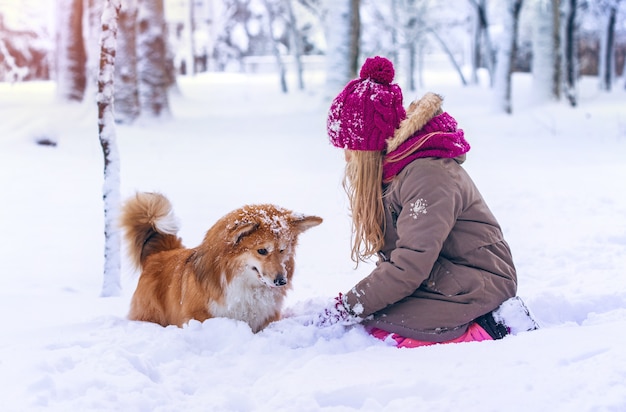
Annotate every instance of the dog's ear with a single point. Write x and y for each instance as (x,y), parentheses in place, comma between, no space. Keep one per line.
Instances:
(302,222)
(237,231)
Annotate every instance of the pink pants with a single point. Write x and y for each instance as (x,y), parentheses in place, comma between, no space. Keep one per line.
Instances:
(474,333)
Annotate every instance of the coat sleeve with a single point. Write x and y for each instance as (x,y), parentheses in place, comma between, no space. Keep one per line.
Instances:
(431,201)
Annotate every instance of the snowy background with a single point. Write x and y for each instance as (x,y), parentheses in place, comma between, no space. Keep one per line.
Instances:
(554,176)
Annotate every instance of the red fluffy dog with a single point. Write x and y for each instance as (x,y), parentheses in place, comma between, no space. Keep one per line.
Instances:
(241,270)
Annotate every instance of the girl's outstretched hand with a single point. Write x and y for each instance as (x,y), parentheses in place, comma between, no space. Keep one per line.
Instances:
(337,313)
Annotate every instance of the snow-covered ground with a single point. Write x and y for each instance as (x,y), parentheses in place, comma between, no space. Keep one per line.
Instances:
(554,176)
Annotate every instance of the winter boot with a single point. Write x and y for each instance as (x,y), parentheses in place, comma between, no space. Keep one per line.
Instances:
(515,316)
(494,329)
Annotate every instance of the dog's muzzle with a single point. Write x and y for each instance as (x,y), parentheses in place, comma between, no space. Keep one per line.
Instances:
(280,280)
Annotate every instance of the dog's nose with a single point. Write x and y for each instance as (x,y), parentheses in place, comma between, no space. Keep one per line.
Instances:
(280,280)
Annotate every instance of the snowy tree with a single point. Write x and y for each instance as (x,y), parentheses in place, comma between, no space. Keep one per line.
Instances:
(624,74)
(152,65)
(608,11)
(412,16)
(296,43)
(239,30)
(506,56)
(106,132)
(546,64)
(557,53)
(71,55)
(570,50)
(10,68)
(338,45)
(355,37)
(127,108)
(24,53)
(444,46)
(192,35)
(91,34)
(382,32)
(271,14)
(406,30)
(482,45)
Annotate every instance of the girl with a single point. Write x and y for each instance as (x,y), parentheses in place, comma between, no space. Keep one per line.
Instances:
(443,264)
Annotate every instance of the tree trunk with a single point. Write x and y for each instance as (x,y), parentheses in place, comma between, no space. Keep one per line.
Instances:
(410,39)
(71,54)
(192,36)
(279,61)
(420,65)
(106,132)
(411,50)
(476,49)
(127,108)
(355,37)
(152,64)
(571,55)
(91,32)
(607,69)
(337,30)
(556,44)
(487,49)
(506,57)
(395,44)
(545,52)
(296,44)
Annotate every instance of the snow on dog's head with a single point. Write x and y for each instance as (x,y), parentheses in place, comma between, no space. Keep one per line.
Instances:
(262,239)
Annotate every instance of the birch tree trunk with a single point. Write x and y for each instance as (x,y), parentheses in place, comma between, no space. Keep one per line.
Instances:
(106,132)
(570,54)
(127,108)
(91,33)
(192,37)
(557,52)
(506,57)
(296,44)
(152,65)
(355,37)
(71,55)
(410,49)
(623,79)
(395,43)
(607,48)
(475,48)
(275,50)
(484,37)
(545,53)
(337,29)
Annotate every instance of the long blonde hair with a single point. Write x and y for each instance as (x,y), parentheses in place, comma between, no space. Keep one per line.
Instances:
(363,184)
(363,179)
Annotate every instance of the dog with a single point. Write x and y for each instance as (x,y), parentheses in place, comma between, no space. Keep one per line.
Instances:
(242,269)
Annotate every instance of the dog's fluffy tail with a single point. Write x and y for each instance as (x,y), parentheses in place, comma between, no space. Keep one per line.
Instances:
(149,226)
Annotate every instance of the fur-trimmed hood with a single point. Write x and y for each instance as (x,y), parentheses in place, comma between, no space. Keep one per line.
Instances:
(417,115)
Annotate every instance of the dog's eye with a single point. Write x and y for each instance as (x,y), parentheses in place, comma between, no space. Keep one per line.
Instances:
(281,251)
(262,252)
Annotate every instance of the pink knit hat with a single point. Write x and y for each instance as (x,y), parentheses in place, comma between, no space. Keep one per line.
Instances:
(368,110)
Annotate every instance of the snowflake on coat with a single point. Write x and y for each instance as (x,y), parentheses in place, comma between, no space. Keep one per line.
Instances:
(418,208)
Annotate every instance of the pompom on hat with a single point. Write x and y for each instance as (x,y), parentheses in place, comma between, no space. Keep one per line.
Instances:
(368,110)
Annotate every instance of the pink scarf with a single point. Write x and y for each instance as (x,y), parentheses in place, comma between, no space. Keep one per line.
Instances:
(438,138)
